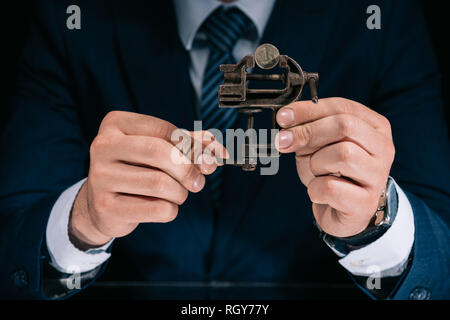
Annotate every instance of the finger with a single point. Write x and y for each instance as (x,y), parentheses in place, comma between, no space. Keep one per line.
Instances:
(149,182)
(135,124)
(346,159)
(302,112)
(153,152)
(308,138)
(142,209)
(342,195)
(201,148)
(304,169)
(210,144)
(194,144)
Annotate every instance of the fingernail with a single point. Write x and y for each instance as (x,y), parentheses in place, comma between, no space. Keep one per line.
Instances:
(285,117)
(285,139)
(199,183)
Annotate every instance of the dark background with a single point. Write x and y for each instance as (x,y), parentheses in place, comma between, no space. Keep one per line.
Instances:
(14,28)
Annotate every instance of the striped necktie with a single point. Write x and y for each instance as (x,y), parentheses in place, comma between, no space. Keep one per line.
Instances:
(223,29)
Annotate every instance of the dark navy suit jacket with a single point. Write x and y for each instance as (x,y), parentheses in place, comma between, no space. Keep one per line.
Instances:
(128,56)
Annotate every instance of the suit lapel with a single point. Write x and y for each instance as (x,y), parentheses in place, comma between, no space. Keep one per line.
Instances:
(300,30)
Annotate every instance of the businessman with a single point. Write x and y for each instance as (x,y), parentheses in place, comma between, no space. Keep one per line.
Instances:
(89,189)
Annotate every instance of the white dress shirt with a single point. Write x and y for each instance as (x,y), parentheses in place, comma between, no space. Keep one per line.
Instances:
(386,256)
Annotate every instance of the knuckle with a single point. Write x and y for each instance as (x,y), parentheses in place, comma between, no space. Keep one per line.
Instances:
(100,143)
(388,151)
(346,152)
(328,186)
(345,106)
(340,105)
(110,119)
(97,171)
(385,123)
(391,151)
(165,130)
(113,116)
(346,125)
(303,134)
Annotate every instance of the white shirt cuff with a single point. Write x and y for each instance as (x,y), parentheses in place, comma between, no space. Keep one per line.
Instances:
(65,257)
(388,254)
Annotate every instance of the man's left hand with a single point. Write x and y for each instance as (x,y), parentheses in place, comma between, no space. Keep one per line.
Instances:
(344,153)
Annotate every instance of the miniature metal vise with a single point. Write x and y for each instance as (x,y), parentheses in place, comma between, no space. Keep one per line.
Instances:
(234,92)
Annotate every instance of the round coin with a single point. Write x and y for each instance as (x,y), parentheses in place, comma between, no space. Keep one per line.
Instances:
(267,56)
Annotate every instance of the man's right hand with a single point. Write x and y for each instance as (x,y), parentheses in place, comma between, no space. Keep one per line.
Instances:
(133,179)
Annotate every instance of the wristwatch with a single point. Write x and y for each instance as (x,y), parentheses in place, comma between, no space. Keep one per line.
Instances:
(382,220)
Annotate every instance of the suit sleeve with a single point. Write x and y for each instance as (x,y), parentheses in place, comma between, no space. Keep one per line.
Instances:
(408,94)
(44,152)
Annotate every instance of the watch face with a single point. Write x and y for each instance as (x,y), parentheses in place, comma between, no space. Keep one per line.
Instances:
(391,203)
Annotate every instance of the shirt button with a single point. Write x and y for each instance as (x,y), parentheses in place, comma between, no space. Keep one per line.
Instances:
(20,278)
(420,293)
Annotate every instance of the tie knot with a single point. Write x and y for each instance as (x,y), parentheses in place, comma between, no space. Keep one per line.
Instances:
(225,27)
